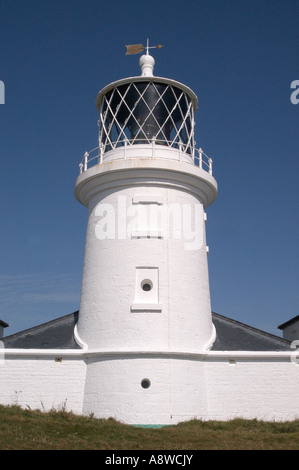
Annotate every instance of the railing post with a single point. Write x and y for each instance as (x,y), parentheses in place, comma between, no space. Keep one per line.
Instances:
(101,154)
(81,168)
(210,166)
(200,157)
(86,155)
(125,153)
(180,148)
(153,147)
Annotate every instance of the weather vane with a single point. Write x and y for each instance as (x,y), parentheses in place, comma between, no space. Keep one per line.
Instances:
(138,48)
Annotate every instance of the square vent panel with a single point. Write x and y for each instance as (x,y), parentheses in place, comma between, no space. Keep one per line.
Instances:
(146,290)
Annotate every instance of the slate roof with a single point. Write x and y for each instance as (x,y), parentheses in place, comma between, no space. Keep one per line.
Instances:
(54,334)
(232,335)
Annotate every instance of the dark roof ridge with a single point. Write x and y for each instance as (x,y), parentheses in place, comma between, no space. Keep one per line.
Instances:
(289,322)
(36,327)
(249,327)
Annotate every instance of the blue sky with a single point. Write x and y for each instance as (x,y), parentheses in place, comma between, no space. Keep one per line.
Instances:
(239,57)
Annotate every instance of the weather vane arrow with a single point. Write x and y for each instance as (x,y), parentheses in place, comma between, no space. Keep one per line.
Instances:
(138,48)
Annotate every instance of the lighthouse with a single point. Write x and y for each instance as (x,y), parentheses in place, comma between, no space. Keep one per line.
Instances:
(145,308)
(144,347)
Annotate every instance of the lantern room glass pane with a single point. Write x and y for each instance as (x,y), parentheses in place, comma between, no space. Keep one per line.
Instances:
(141,112)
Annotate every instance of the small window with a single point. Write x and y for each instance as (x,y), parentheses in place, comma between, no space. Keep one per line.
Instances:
(145,383)
(146,285)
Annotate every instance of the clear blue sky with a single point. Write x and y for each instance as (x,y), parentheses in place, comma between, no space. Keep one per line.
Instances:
(239,57)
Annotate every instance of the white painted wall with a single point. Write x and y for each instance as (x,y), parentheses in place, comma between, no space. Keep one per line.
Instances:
(207,386)
(40,380)
(265,388)
(131,200)
(204,388)
(114,310)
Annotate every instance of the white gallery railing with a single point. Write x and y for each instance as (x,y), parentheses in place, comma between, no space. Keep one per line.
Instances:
(97,156)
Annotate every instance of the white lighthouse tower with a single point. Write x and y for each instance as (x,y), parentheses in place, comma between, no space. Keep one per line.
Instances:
(145,307)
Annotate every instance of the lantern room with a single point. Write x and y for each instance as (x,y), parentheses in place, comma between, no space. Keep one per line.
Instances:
(146,109)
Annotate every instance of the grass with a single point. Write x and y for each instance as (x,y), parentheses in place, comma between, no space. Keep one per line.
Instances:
(59,430)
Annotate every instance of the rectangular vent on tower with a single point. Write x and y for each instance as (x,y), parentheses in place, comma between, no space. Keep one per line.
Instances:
(148,216)
(147,200)
(146,290)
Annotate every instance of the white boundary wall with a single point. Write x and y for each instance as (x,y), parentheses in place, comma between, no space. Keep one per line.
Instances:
(214,385)
(44,380)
